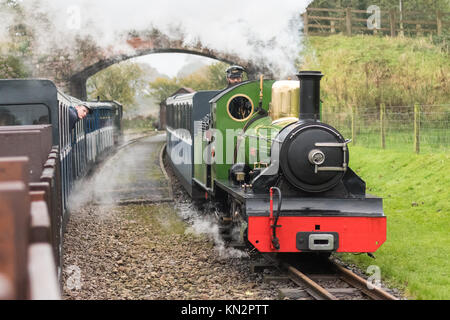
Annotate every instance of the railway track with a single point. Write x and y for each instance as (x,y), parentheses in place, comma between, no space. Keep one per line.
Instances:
(133,175)
(323,279)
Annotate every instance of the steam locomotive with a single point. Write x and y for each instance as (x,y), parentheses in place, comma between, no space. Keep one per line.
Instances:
(281,175)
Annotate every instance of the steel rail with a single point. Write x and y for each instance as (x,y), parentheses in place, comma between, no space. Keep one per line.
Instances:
(361,284)
(320,293)
(300,279)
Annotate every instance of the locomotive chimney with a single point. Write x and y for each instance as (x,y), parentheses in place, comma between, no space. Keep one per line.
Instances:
(310,95)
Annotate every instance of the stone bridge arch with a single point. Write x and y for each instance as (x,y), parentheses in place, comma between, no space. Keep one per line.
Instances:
(70,70)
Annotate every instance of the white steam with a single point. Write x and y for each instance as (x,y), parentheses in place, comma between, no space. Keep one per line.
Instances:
(207,225)
(266,32)
(6,19)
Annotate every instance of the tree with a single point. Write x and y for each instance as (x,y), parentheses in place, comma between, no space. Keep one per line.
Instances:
(16,41)
(12,67)
(162,88)
(207,78)
(119,82)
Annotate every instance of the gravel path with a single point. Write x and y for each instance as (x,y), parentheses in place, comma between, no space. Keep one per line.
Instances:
(147,252)
(150,251)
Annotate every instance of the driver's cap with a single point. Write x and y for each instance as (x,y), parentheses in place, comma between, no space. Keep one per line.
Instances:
(235,72)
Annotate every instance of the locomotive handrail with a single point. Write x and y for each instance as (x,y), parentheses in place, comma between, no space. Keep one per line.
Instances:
(331,144)
(274,226)
(261,138)
(344,147)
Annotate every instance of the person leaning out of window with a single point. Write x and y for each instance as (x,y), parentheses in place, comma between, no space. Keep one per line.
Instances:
(78,113)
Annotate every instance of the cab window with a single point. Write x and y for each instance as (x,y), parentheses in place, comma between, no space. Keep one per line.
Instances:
(24,115)
(240,108)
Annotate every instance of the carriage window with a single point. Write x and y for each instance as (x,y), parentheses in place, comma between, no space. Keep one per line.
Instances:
(240,108)
(24,115)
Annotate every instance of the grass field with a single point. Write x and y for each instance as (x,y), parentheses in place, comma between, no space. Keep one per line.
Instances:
(416,192)
(363,71)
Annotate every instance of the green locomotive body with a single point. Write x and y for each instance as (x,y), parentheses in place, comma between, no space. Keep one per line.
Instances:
(261,136)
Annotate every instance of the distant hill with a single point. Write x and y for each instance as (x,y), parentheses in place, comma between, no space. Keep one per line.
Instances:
(191,67)
(150,73)
(145,105)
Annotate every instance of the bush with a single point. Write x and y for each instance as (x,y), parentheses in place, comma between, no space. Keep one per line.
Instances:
(140,123)
(12,67)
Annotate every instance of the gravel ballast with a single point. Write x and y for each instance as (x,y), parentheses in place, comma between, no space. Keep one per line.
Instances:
(162,251)
(147,252)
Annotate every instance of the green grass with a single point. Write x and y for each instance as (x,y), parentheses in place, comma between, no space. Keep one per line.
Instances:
(430,142)
(416,196)
(363,71)
(161,219)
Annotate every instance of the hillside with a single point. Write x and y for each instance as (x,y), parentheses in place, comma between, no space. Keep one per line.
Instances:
(145,105)
(363,71)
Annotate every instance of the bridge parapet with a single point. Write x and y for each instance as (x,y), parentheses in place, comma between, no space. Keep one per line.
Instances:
(71,69)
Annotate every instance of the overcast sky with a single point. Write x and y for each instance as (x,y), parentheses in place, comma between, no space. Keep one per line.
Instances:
(171,63)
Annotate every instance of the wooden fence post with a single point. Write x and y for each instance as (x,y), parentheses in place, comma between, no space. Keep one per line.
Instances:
(392,22)
(353,126)
(383,125)
(417,128)
(306,22)
(439,23)
(419,30)
(402,30)
(348,19)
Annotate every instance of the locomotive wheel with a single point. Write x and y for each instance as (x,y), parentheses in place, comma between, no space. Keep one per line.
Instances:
(231,224)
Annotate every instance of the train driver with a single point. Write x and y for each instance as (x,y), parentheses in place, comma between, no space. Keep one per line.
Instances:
(234,75)
(78,113)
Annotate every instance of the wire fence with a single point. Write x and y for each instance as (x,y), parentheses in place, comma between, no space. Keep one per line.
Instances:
(417,128)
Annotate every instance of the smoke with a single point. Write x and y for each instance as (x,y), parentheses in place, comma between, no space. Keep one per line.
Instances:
(266,32)
(101,188)
(117,175)
(206,224)
(91,190)
(6,19)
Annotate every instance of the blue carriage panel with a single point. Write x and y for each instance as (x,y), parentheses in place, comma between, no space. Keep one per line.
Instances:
(182,112)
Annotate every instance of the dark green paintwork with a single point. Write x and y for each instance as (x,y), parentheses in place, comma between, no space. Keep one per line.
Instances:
(223,122)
